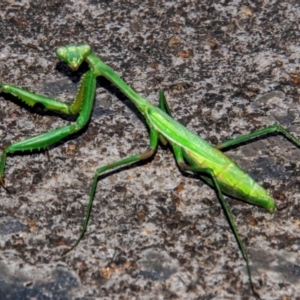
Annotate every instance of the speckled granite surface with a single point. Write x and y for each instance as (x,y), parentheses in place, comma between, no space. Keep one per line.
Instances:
(228,68)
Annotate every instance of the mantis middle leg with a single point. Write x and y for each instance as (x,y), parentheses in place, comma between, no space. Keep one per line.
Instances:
(123,162)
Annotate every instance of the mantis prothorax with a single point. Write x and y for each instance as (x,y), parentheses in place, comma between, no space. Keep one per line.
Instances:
(192,153)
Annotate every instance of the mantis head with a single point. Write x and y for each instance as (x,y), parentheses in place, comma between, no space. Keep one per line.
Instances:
(74,55)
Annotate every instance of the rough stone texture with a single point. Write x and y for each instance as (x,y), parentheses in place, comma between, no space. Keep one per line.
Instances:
(228,68)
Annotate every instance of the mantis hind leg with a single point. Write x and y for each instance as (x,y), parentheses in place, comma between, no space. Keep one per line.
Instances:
(82,104)
(179,156)
(123,162)
(257,134)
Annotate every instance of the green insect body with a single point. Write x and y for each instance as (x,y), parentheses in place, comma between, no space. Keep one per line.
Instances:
(192,153)
(203,154)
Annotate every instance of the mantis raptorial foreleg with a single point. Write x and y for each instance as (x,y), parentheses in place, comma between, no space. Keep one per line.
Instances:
(82,106)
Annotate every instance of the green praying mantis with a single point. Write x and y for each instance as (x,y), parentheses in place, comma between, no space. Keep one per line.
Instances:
(192,153)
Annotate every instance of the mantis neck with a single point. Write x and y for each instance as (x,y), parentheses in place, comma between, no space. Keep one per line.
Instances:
(101,69)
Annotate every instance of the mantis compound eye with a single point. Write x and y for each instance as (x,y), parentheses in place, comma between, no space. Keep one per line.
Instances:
(61,53)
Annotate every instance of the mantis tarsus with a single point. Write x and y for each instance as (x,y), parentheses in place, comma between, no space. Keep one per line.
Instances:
(192,153)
